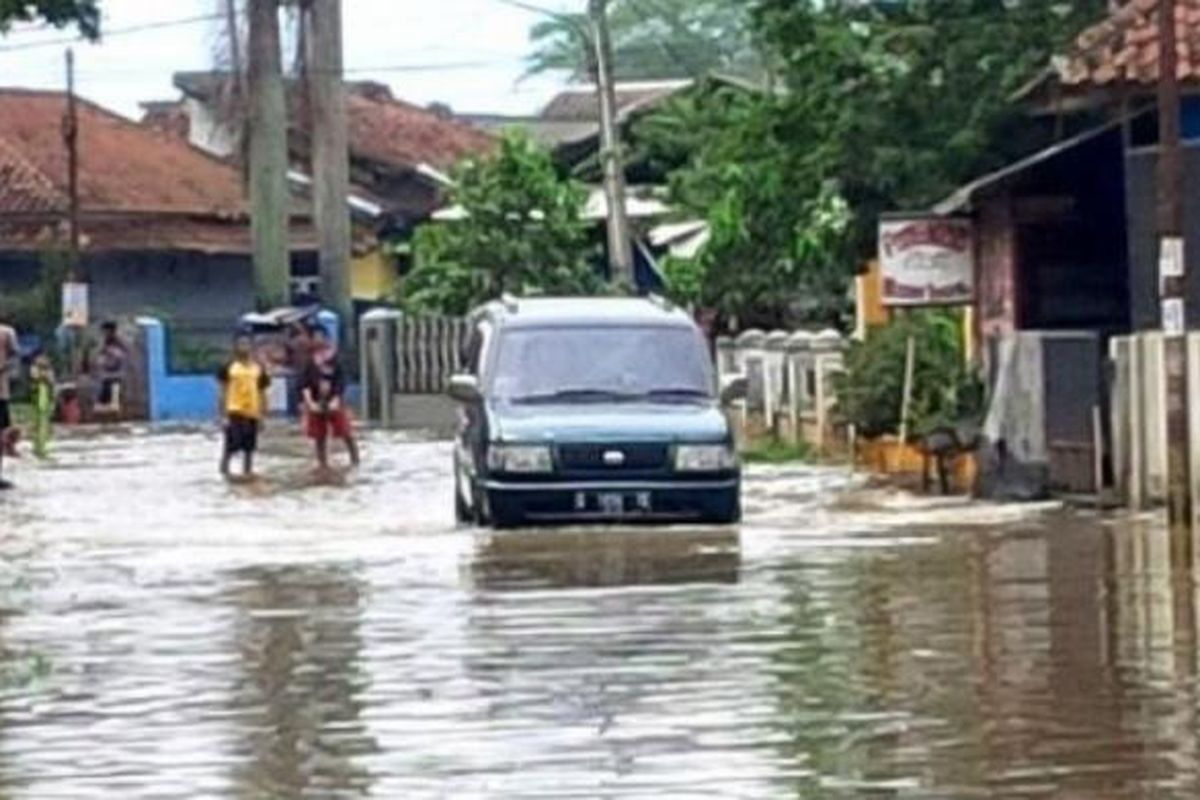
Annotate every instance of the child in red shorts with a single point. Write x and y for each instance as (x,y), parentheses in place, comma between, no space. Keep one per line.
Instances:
(322,391)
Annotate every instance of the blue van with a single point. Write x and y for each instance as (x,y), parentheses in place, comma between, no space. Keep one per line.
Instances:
(592,410)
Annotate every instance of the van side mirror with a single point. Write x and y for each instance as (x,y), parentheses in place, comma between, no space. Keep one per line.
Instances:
(465,389)
(734,388)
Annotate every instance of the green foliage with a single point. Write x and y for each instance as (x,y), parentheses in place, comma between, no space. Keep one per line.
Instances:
(195,357)
(524,233)
(773,450)
(779,253)
(39,308)
(902,101)
(84,14)
(946,391)
(653,39)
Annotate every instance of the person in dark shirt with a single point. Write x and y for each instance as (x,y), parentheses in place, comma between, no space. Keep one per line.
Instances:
(111,360)
(323,390)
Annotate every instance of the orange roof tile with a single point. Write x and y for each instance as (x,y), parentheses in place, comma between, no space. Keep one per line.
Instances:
(123,166)
(1124,48)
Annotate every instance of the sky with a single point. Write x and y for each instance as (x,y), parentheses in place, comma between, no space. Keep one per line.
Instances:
(468,54)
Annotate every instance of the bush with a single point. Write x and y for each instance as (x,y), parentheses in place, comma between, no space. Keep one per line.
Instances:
(946,391)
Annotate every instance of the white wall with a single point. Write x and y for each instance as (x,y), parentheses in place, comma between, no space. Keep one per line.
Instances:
(207,132)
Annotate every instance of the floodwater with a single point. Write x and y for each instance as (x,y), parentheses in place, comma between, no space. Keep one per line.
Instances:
(165,636)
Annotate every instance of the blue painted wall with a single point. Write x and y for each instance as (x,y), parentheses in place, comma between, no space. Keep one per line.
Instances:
(174,398)
(188,397)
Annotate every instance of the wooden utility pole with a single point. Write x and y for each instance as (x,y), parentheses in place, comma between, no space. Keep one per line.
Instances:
(620,246)
(330,155)
(1172,268)
(235,50)
(269,200)
(71,140)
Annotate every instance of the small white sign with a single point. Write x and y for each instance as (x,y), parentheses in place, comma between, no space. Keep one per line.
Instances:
(1170,257)
(1173,322)
(75,305)
(927,260)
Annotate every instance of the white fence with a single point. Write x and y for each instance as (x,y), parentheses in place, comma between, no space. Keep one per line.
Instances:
(1139,417)
(407,363)
(791,393)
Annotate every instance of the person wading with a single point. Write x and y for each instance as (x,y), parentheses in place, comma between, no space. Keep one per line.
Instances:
(9,360)
(244,383)
(112,359)
(323,391)
(41,375)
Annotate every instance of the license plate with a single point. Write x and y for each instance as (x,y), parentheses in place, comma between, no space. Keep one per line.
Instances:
(615,504)
(611,503)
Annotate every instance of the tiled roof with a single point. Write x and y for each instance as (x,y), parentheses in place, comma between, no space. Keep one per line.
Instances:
(1124,48)
(403,135)
(382,128)
(579,103)
(145,232)
(123,166)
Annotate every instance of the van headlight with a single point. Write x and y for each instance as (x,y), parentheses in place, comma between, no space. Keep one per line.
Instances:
(705,458)
(527,459)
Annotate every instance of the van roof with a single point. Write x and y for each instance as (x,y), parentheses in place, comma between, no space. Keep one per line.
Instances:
(585,311)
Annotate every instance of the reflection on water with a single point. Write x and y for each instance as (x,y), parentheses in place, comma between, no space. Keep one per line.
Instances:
(162,635)
(296,697)
(590,558)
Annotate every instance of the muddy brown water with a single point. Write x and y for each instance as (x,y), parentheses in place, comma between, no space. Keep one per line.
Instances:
(163,635)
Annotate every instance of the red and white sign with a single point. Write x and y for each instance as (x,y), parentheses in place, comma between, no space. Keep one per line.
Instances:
(927,261)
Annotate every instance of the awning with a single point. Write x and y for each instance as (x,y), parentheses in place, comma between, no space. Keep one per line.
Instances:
(682,239)
(637,206)
(963,197)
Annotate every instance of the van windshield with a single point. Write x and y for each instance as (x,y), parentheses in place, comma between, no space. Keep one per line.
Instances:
(603,363)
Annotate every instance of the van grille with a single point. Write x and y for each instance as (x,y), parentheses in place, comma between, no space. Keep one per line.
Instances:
(634,457)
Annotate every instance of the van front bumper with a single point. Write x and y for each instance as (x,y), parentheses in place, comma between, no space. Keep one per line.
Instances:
(712,501)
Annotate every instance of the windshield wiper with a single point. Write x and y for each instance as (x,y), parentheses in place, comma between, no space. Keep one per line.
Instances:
(574,395)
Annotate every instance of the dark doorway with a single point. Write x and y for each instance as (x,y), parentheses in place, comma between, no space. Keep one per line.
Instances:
(1072,252)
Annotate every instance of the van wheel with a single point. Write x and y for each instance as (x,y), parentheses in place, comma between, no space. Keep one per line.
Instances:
(463,514)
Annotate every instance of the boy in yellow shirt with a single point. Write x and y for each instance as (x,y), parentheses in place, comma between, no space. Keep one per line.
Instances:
(243,404)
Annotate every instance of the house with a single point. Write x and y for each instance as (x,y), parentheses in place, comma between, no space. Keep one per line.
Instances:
(163,225)
(1066,239)
(400,157)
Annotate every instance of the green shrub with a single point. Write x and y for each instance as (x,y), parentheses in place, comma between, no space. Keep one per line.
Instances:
(946,391)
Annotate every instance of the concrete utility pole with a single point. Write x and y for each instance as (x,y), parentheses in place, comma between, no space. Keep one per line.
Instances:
(269,200)
(620,246)
(330,155)
(1172,271)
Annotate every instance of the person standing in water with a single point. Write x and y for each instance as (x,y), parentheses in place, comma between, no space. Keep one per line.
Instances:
(41,374)
(112,359)
(9,360)
(243,403)
(322,391)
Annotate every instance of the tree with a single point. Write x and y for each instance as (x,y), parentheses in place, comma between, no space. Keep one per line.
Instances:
(522,230)
(85,14)
(912,97)
(779,253)
(653,39)
(886,106)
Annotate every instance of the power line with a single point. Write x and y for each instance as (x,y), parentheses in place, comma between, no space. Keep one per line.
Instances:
(150,26)
(533,8)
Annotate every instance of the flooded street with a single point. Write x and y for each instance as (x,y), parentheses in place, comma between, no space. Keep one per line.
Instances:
(163,635)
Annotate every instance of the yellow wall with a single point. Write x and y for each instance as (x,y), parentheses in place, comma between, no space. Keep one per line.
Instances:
(372,277)
(871,312)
